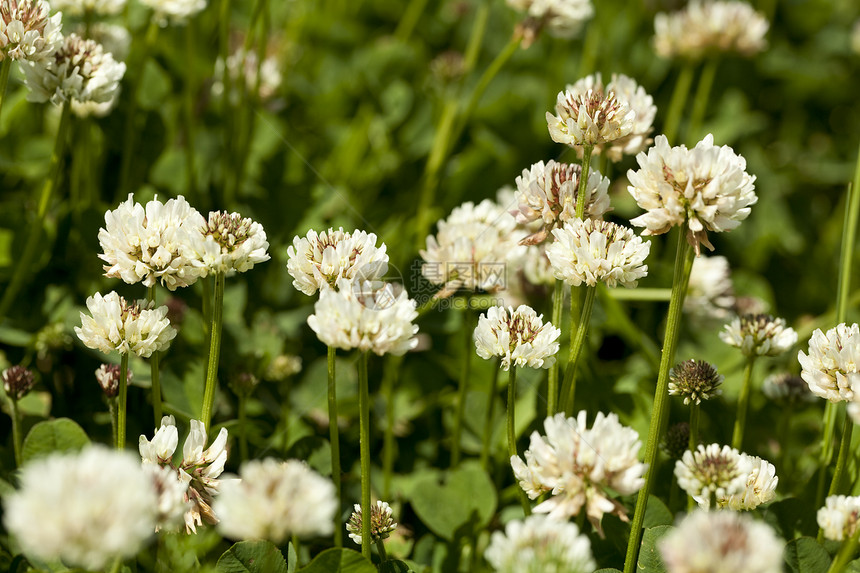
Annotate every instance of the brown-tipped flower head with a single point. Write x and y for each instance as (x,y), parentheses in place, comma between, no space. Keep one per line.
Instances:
(759,335)
(107,376)
(28,31)
(589,118)
(694,380)
(17,382)
(677,440)
(381,522)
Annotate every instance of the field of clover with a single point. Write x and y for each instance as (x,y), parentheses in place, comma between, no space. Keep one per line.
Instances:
(347,286)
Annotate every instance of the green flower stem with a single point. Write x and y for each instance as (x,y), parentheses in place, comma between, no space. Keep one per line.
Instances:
(122,402)
(389,377)
(114,415)
(577,341)
(694,425)
(846,552)
(488,421)
(678,102)
(16,431)
(117,565)
(463,390)
(154,371)
(743,405)
(842,459)
(581,198)
(364,433)
(214,352)
(683,263)
(242,411)
(700,101)
(380,547)
(641,294)
(22,269)
(409,19)
(826,454)
(5,68)
(334,441)
(431,172)
(512,429)
(552,375)
(188,107)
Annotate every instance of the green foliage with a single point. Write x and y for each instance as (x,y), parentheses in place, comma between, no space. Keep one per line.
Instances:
(253,557)
(805,555)
(649,556)
(339,561)
(58,435)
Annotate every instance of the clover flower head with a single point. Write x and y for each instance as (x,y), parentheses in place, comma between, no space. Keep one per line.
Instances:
(786,388)
(114,324)
(107,375)
(710,294)
(27,30)
(519,337)
(760,487)
(538,544)
(232,243)
(175,11)
(839,517)
(381,522)
(18,381)
(695,380)
(561,18)
(830,368)
(712,470)
(94,7)
(589,118)
(759,335)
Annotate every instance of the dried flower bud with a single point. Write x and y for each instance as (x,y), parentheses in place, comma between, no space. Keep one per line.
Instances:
(381,522)
(695,380)
(448,67)
(107,376)
(244,383)
(677,440)
(17,382)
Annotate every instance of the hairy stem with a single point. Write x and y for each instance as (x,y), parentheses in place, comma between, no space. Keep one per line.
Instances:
(743,405)
(214,352)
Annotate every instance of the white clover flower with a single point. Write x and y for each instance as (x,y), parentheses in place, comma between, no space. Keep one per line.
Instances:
(93,7)
(548,192)
(709,293)
(830,368)
(707,26)
(581,465)
(471,249)
(695,380)
(711,470)
(519,337)
(172,499)
(561,18)
(839,517)
(78,70)
(589,118)
(318,261)
(113,38)
(27,31)
(787,388)
(381,522)
(720,542)
(535,266)
(589,251)
(539,544)
(707,187)
(86,508)
(759,335)
(243,67)
(367,317)
(175,11)
(760,487)
(275,500)
(231,243)
(114,324)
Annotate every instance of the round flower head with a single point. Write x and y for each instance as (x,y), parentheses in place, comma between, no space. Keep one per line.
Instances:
(262,79)
(367,317)
(588,251)
(318,261)
(107,375)
(589,118)
(561,18)
(381,522)
(275,500)
(548,192)
(759,335)
(711,470)
(172,492)
(80,70)
(706,187)
(92,7)
(231,244)
(539,544)
(175,11)
(760,487)
(707,26)
(709,293)
(720,542)
(830,368)
(115,324)
(785,388)
(580,466)
(839,517)
(695,380)
(17,382)
(519,337)
(677,440)
(27,31)
(86,508)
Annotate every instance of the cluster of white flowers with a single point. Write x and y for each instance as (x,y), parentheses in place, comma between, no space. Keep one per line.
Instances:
(589,117)
(263,79)
(539,544)
(275,500)
(115,324)
(86,508)
(707,26)
(706,187)
(710,294)
(95,7)
(760,487)
(830,368)
(319,260)
(589,251)
(717,542)
(175,11)
(713,471)
(580,465)
(759,335)
(561,18)
(198,471)
(519,337)
(694,380)
(79,70)
(381,522)
(366,316)
(233,243)
(787,388)
(27,31)
(547,192)
(839,517)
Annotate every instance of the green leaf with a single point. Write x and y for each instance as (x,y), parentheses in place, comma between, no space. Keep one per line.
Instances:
(656,513)
(649,556)
(608,570)
(339,561)
(58,435)
(394,566)
(805,555)
(252,557)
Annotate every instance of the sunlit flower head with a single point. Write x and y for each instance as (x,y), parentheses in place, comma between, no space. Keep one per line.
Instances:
(712,471)
(173,502)
(175,11)
(539,544)
(561,18)
(114,324)
(759,335)
(519,337)
(839,517)
(27,30)
(381,522)
(760,487)
(694,381)
(232,243)
(93,7)
(830,368)
(706,187)
(710,294)
(589,117)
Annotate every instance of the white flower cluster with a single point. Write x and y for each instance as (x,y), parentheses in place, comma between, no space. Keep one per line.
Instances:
(79,70)
(710,294)
(232,243)
(319,260)
(839,517)
(175,11)
(262,79)
(86,508)
(95,7)
(539,544)
(115,324)
(830,368)
(519,337)
(712,471)
(589,117)
(580,465)
(381,522)
(197,472)
(759,335)
(589,251)
(760,487)
(707,26)
(561,18)
(27,31)
(718,542)
(275,500)
(706,187)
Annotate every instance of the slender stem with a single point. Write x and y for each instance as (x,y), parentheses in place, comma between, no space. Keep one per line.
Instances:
(114,415)
(488,421)
(826,454)
(380,546)
(16,431)
(846,552)
(431,172)
(297,548)
(552,375)
(678,102)
(842,459)
(641,294)
(243,416)
(5,68)
(409,19)
(117,565)
(190,44)
(463,390)
(364,433)
(581,198)
(154,371)
(334,441)
(694,425)
(122,402)
(743,405)
(389,377)
(214,352)
(683,264)
(35,232)
(577,341)
(511,411)
(476,37)
(700,101)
